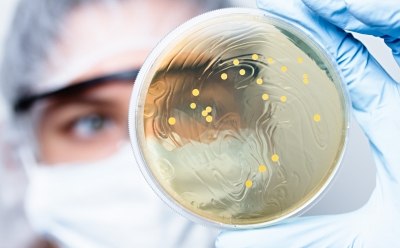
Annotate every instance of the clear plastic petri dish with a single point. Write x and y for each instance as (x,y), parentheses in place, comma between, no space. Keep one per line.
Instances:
(238,119)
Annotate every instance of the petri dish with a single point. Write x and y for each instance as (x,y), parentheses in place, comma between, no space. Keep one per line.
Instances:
(238,119)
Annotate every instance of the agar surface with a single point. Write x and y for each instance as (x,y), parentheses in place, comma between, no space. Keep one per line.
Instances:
(236,133)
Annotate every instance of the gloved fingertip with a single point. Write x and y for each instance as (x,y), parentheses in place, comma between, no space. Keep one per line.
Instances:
(353,5)
(240,238)
(266,5)
(312,3)
(222,240)
(260,4)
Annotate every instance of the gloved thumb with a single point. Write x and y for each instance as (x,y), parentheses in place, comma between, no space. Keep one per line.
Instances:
(315,231)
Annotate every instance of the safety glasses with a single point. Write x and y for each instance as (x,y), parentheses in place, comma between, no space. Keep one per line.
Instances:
(24,103)
(84,121)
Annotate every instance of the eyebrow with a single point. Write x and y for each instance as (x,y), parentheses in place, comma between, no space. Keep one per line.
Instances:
(24,103)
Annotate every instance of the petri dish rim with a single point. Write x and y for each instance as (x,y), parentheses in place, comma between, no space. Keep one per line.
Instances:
(136,107)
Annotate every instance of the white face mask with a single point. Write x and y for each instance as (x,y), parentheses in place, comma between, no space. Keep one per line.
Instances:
(106,204)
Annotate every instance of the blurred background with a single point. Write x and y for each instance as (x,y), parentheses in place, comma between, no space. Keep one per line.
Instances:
(14,230)
(350,189)
(6,10)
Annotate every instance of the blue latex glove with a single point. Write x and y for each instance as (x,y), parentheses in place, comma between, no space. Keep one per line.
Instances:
(375,100)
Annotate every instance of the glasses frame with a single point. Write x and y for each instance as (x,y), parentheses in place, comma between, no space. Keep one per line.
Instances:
(24,103)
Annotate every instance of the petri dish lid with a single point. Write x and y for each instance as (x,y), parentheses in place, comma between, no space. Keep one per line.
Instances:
(238,119)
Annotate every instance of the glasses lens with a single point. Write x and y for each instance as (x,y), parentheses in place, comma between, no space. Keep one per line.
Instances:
(85,126)
(243,119)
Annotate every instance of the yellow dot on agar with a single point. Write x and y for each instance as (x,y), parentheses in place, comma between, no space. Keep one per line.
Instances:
(270,60)
(300,60)
(262,168)
(242,72)
(265,96)
(305,80)
(171,121)
(249,183)
(305,75)
(195,92)
(259,81)
(224,76)
(275,157)
(209,118)
(283,98)
(236,62)
(193,105)
(208,109)
(283,68)
(254,56)
(204,113)
(317,118)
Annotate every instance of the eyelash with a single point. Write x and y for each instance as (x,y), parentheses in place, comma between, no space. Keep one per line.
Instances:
(76,126)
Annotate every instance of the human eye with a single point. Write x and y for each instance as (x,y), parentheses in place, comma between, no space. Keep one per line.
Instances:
(90,125)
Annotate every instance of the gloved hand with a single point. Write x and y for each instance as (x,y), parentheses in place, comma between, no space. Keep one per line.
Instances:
(375,100)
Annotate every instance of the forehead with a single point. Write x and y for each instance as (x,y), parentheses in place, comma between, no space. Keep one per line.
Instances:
(104,38)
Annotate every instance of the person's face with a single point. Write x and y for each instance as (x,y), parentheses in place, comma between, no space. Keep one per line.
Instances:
(98,40)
